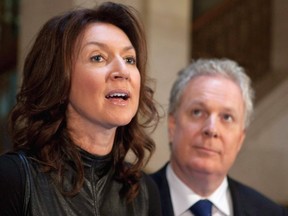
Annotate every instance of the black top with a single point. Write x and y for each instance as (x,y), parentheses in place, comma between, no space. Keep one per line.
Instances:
(12,183)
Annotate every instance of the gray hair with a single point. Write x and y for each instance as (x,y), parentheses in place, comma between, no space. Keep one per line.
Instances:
(224,67)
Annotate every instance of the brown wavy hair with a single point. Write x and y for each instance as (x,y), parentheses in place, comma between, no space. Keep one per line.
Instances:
(38,123)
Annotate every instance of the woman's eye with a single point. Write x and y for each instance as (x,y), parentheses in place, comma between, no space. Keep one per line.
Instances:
(97,58)
(130,60)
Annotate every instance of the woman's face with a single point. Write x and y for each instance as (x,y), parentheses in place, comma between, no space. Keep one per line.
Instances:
(105,81)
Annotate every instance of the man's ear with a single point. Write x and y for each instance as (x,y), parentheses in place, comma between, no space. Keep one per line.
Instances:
(171,127)
(241,139)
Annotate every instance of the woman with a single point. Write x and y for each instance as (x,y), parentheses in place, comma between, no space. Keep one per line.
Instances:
(84,103)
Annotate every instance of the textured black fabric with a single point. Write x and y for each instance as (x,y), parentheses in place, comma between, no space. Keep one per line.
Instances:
(12,185)
(99,195)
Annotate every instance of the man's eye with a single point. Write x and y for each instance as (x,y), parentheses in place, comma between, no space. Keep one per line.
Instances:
(227,118)
(97,58)
(130,60)
(197,112)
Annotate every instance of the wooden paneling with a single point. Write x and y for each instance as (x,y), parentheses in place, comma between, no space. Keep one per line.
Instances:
(236,29)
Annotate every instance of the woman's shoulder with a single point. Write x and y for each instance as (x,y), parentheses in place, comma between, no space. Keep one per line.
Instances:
(12,184)
(10,163)
(11,169)
(149,183)
(153,194)
(147,179)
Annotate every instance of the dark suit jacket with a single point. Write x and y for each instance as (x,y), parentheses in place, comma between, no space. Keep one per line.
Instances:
(246,201)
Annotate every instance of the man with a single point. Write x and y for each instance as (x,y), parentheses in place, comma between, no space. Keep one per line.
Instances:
(211,103)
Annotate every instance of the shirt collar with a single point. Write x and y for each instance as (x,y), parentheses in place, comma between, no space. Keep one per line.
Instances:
(183,197)
(221,198)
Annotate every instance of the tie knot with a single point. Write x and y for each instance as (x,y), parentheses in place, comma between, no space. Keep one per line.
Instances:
(202,208)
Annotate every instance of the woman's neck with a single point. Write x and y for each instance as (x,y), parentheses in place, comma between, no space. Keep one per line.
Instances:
(96,141)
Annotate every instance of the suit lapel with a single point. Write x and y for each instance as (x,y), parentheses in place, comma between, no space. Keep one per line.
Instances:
(240,207)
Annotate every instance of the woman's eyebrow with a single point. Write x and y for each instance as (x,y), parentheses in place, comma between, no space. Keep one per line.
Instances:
(105,46)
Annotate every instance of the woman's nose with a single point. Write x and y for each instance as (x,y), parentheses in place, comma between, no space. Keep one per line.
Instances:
(210,128)
(119,69)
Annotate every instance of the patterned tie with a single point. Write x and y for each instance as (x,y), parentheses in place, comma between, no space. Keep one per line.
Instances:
(202,208)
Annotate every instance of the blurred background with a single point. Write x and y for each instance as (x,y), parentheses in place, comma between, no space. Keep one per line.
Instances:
(252,32)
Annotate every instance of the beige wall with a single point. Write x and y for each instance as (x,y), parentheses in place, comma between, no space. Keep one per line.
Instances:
(262,163)
(168,36)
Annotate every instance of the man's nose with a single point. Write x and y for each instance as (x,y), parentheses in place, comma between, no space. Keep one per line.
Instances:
(119,69)
(210,128)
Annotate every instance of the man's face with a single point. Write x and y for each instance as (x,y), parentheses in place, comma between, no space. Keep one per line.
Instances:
(207,130)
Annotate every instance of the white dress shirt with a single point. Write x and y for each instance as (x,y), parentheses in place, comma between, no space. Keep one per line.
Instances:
(183,197)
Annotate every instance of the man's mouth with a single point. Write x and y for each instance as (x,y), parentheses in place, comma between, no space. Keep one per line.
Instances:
(208,150)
